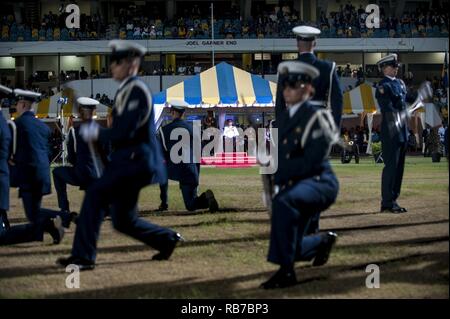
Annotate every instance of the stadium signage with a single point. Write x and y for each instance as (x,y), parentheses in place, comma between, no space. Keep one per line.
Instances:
(211,42)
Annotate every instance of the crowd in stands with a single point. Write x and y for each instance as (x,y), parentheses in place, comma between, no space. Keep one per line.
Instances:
(103,99)
(275,23)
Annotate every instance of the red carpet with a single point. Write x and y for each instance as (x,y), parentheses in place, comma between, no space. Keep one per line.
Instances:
(229,160)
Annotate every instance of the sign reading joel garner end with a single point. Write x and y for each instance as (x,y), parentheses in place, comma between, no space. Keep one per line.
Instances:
(197,43)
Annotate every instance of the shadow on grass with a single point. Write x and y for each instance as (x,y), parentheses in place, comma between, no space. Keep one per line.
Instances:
(51,269)
(313,282)
(223,210)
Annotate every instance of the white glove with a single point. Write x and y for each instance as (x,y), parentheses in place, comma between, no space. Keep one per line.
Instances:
(89,132)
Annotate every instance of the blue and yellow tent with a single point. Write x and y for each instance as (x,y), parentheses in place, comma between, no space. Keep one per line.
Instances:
(221,86)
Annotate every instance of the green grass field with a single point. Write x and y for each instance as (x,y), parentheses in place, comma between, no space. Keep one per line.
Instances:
(225,253)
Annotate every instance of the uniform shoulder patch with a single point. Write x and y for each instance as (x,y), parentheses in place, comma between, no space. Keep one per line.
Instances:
(381,89)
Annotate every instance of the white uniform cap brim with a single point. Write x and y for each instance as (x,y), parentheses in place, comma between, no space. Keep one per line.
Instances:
(306,31)
(178,104)
(5,89)
(123,45)
(26,93)
(297,67)
(388,58)
(87,101)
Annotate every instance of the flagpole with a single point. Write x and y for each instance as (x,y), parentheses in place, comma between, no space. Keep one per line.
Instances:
(212,32)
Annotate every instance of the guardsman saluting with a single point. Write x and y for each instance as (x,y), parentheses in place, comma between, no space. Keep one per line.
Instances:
(31,162)
(86,163)
(135,162)
(391,97)
(327,88)
(304,181)
(187,170)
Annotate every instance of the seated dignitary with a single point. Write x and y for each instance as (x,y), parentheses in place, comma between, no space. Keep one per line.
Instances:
(135,162)
(31,166)
(184,169)
(87,161)
(304,181)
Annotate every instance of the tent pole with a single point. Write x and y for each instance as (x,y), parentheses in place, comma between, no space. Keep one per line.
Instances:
(160,71)
(212,32)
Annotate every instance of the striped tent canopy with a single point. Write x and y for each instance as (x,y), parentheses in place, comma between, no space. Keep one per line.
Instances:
(48,108)
(361,99)
(222,85)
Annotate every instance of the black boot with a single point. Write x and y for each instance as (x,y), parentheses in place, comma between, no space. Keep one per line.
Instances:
(325,249)
(212,202)
(55,228)
(83,264)
(166,252)
(284,277)
(162,208)
(4,222)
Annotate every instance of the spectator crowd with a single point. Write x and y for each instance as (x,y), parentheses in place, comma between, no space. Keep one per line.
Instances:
(274,23)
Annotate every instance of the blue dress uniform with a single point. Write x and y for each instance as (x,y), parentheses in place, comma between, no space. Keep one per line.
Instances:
(32,165)
(83,170)
(135,162)
(327,89)
(188,170)
(391,97)
(304,183)
(5,142)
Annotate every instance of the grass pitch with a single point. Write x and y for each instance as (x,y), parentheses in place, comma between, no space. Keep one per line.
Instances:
(225,253)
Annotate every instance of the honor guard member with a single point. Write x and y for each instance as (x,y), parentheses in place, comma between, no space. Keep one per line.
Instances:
(327,88)
(86,163)
(31,163)
(304,181)
(391,97)
(135,162)
(5,147)
(186,171)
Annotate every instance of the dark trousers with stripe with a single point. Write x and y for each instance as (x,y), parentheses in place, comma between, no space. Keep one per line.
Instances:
(39,221)
(292,211)
(119,189)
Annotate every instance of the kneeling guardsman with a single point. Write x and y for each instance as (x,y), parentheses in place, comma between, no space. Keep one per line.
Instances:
(135,162)
(304,181)
(87,163)
(30,166)
(327,88)
(187,170)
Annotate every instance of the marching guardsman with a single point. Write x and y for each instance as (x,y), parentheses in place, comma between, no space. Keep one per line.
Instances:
(391,97)
(327,88)
(135,162)
(31,163)
(187,170)
(87,162)
(5,153)
(304,181)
